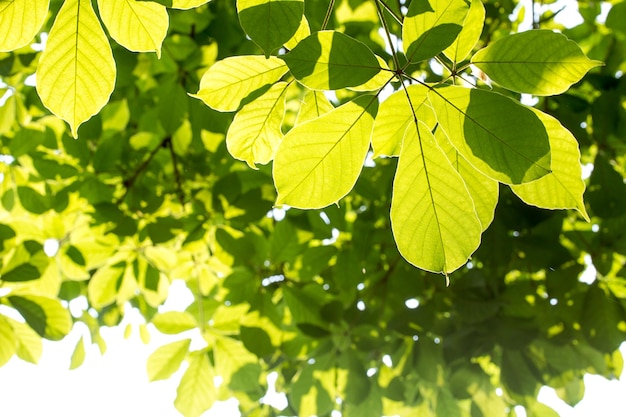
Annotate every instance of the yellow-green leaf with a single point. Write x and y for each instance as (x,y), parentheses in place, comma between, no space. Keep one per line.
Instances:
(29,344)
(395,114)
(187,4)
(470,34)
(540,62)
(563,188)
(20,21)
(166,359)
(498,136)
(231,80)
(230,356)
(103,286)
(173,322)
(379,80)
(76,74)
(483,190)
(255,133)
(8,343)
(137,26)
(430,26)
(314,104)
(302,32)
(78,356)
(433,218)
(196,392)
(44,314)
(319,161)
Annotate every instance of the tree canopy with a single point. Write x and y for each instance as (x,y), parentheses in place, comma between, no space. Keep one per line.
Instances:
(382,202)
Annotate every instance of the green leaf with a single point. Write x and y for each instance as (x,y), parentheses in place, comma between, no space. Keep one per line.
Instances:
(26,262)
(179,4)
(314,105)
(483,190)
(173,105)
(395,114)
(255,133)
(196,392)
(8,343)
(447,405)
(314,166)
(270,23)
(20,21)
(29,345)
(45,315)
(433,218)
(166,359)
(501,138)
(430,26)
(470,34)
(563,188)
(231,80)
(174,322)
(138,26)
(231,356)
(330,60)
(103,286)
(539,62)
(78,356)
(77,61)
(32,200)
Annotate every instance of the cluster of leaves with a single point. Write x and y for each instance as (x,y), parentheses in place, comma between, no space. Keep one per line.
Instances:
(150,193)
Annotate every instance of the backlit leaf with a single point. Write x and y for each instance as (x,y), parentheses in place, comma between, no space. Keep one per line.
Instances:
(470,34)
(232,79)
(270,23)
(430,26)
(255,133)
(319,161)
(179,4)
(45,315)
(314,104)
(196,392)
(29,344)
(230,357)
(78,356)
(8,344)
(20,21)
(539,62)
(138,26)
(563,188)
(173,322)
(166,359)
(433,218)
(76,74)
(302,32)
(330,60)
(501,138)
(395,114)
(103,286)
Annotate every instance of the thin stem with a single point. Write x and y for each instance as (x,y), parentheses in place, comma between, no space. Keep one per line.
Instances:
(329,12)
(128,182)
(394,54)
(390,11)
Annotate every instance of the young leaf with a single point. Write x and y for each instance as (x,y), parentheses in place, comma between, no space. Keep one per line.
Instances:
(196,392)
(8,343)
(563,188)
(270,23)
(330,60)
(501,138)
(255,133)
(20,21)
(230,80)
(76,74)
(78,356)
(166,359)
(433,219)
(174,322)
(432,26)
(483,190)
(395,114)
(470,34)
(138,26)
(319,161)
(539,62)
(313,106)
(29,345)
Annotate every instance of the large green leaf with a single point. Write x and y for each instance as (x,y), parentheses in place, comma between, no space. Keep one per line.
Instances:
(255,133)
(20,21)
(270,23)
(231,80)
(430,26)
(166,359)
(330,60)
(314,104)
(539,62)
(196,392)
(433,218)
(45,315)
(563,188)
(470,34)
(138,26)
(76,73)
(316,166)
(395,114)
(501,138)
